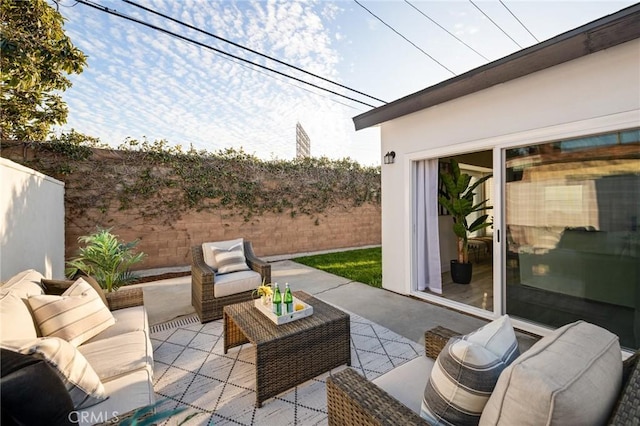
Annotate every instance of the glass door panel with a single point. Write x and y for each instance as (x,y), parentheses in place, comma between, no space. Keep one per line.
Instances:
(572,216)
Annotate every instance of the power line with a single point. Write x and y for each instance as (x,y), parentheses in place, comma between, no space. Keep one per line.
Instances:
(514,15)
(58,3)
(280,80)
(277,79)
(155,12)
(289,83)
(406,39)
(494,23)
(283,81)
(206,46)
(292,84)
(443,28)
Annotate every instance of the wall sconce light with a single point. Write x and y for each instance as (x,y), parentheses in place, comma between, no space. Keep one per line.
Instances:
(390,157)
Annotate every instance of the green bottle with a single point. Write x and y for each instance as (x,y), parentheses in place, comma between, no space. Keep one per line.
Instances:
(277,301)
(288,300)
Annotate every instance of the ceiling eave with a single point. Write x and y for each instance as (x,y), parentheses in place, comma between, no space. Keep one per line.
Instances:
(603,33)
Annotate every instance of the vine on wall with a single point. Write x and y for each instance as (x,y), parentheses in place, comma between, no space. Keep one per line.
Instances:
(156,180)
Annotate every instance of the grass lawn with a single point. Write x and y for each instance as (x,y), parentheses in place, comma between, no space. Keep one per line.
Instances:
(364,265)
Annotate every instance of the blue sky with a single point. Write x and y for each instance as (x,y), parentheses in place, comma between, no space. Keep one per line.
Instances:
(140,82)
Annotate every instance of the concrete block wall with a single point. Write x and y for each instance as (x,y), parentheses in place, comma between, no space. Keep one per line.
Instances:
(167,242)
(168,245)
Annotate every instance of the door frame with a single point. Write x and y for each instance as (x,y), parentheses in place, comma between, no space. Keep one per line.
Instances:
(499,145)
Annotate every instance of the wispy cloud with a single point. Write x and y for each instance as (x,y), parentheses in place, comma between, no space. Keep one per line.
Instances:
(140,82)
(143,83)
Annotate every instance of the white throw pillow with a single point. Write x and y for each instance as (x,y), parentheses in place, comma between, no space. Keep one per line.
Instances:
(230,260)
(82,382)
(207,250)
(465,373)
(571,376)
(25,284)
(76,316)
(16,321)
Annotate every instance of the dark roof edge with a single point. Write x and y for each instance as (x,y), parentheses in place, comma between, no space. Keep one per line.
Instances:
(605,32)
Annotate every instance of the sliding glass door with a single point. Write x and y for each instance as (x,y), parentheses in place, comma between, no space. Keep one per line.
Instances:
(572,228)
(435,243)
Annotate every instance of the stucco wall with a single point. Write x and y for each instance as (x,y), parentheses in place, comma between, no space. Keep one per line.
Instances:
(592,94)
(32,226)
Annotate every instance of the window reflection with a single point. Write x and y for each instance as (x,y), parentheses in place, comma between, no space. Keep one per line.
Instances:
(572,212)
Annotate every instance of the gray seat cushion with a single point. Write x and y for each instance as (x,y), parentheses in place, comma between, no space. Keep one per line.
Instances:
(236,282)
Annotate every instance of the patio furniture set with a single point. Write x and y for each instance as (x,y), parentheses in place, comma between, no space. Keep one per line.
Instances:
(286,354)
(575,375)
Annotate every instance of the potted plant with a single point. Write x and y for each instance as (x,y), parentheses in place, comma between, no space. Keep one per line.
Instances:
(457,197)
(106,259)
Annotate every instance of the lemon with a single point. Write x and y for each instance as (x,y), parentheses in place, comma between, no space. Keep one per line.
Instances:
(299,307)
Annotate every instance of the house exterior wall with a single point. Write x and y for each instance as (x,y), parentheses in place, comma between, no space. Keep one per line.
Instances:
(32,226)
(591,94)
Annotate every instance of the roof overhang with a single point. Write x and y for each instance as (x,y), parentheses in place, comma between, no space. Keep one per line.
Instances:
(603,33)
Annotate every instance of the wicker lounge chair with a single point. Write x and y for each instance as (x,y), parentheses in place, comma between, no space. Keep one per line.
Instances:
(353,400)
(207,306)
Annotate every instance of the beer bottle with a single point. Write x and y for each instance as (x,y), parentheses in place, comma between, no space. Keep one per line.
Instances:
(288,299)
(277,301)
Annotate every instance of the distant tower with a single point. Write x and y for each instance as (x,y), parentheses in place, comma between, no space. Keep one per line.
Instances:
(303,143)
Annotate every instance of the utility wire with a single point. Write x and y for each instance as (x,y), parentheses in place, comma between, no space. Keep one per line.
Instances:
(206,46)
(523,25)
(284,81)
(281,80)
(155,12)
(443,28)
(494,23)
(57,2)
(291,84)
(406,39)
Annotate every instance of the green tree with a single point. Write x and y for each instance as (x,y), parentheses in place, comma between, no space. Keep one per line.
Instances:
(36,56)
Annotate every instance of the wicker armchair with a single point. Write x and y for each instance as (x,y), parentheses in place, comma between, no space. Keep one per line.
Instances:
(353,400)
(207,306)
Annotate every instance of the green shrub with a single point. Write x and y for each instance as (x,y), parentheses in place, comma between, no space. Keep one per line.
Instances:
(106,259)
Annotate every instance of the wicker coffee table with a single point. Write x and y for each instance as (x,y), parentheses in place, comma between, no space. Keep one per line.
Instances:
(292,353)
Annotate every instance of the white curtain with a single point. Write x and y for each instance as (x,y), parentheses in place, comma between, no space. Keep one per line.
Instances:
(426,226)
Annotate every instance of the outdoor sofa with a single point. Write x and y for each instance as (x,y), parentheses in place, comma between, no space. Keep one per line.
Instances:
(533,389)
(103,357)
(212,288)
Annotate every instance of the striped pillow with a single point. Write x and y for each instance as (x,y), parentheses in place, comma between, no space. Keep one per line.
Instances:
(82,382)
(76,316)
(207,250)
(466,372)
(230,260)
